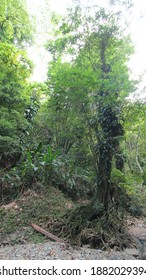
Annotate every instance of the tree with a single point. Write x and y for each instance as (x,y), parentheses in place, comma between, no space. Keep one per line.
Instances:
(66,104)
(135,142)
(15,70)
(99,50)
(15,24)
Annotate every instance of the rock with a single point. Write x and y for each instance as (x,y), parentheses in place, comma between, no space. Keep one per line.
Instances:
(132,251)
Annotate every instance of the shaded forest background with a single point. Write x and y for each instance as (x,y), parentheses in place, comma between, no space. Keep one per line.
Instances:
(77,131)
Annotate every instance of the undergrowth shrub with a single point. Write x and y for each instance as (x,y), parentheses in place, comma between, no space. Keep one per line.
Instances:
(129,191)
(74,181)
(37,164)
(10,185)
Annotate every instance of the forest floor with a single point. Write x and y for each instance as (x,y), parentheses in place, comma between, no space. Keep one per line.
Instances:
(18,240)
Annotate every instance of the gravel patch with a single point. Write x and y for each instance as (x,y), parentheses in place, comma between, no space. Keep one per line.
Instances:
(58,251)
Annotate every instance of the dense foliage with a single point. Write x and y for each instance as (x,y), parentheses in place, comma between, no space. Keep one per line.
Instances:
(15,70)
(76,131)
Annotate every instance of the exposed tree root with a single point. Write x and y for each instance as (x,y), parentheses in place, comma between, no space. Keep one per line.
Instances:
(80,227)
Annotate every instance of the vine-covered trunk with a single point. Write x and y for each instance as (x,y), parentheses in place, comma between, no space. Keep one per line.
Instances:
(104,175)
(111,129)
(107,149)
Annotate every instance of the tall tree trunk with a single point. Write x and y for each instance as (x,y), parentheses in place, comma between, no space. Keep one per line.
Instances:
(111,129)
(104,175)
(105,151)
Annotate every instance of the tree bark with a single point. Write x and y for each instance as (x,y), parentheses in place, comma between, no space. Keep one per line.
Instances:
(104,176)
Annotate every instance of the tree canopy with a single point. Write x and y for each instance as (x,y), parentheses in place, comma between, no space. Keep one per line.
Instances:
(15,25)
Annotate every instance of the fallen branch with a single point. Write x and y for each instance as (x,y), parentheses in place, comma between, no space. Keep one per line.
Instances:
(46,233)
